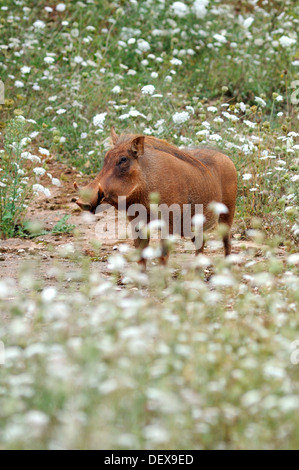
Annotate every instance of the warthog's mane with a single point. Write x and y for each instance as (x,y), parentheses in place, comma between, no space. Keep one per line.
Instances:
(163,146)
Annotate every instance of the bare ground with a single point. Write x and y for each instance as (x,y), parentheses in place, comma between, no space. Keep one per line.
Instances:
(47,252)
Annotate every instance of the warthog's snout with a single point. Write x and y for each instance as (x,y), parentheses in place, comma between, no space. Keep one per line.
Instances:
(84,206)
(90,197)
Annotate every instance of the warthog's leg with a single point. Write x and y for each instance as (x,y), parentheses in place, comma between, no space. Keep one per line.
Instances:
(164,252)
(227,244)
(140,244)
(198,250)
(227,219)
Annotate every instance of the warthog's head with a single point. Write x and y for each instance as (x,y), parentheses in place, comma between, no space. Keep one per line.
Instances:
(121,175)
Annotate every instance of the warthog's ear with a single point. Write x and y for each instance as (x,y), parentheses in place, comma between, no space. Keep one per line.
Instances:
(138,146)
(114,136)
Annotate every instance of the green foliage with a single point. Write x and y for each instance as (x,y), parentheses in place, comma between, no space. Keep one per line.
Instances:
(62,226)
(13,187)
(32,230)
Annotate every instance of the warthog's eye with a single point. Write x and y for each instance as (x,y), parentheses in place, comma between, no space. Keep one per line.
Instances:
(122,160)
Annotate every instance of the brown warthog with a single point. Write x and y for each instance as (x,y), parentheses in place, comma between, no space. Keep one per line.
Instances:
(140,165)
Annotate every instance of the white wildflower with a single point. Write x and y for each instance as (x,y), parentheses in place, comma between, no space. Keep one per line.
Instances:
(66,249)
(198,220)
(60,7)
(34,134)
(285,41)
(204,132)
(221,280)
(36,419)
(260,101)
(250,398)
(155,433)
(49,60)
(49,294)
(39,171)
(78,59)
(116,90)
(56,182)
(200,8)
(179,9)
(99,120)
(249,123)
(143,45)
(190,109)
(202,261)
(218,119)
(75,33)
(215,137)
(25,70)
(39,24)
(116,263)
(29,156)
(135,113)
(293,259)
(218,208)
(180,118)
(289,404)
(148,90)
(229,116)
(176,61)
(248,22)
(149,253)
(43,151)
(38,188)
(220,38)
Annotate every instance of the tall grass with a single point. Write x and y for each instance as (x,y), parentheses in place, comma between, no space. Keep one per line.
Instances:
(14,187)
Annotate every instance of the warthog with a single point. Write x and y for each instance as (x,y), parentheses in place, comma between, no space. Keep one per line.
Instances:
(139,165)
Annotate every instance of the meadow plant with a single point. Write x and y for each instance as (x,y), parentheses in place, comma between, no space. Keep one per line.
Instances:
(201,356)
(13,180)
(19,177)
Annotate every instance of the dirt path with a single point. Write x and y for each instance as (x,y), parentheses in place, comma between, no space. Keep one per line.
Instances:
(49,252)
